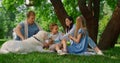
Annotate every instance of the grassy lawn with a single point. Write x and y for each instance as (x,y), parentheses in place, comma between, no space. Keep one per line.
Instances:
(111,56)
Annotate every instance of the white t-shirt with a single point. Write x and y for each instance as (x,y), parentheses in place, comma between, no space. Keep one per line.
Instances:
(57,37)
(71,32)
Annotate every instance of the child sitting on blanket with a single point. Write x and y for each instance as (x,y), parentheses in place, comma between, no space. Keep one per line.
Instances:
(56,37)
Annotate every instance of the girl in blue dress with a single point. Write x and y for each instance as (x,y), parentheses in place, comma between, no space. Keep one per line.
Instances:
(79,39)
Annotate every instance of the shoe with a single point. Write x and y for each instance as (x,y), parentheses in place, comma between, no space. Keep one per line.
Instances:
(100,53)
(60,52)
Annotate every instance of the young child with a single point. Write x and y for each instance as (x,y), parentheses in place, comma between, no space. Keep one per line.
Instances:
(56,37)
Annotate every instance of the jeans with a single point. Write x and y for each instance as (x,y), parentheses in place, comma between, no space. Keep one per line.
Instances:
(91,43)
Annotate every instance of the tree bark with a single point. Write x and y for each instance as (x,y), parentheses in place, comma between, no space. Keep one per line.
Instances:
(112,31)
(60,11)
(91,18)
(96,10)
(90,5)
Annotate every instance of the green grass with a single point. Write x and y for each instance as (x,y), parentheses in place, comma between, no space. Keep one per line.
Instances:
(111,56)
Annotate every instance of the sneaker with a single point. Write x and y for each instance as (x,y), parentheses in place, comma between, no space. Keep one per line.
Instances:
(100,53)
(60,52)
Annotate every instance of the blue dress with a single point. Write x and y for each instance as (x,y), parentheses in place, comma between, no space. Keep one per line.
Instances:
(81,47)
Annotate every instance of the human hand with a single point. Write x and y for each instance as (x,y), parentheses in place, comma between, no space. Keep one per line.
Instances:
(70,36)
(50,42)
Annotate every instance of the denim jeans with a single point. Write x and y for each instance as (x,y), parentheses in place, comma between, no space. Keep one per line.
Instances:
(91,43)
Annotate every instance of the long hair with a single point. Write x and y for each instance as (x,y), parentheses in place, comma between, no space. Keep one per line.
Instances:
(71,25)
(80,23)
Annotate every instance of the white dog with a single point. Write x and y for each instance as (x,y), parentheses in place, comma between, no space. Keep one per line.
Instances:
(34,43)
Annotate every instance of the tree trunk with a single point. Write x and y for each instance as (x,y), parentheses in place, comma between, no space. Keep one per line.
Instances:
(96,10)
(90,5)
(112,31)
(60,11)
(91,19)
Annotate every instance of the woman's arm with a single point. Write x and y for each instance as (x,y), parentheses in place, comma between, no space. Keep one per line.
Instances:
(69,33)
(76,39)
(18,31)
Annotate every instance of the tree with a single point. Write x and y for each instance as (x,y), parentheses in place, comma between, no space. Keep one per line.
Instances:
(91,14)
(112,31)
(60,11)
(92,23)
(90,9)
(71,7)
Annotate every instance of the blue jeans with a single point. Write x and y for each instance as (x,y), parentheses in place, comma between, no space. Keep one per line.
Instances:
(91,43)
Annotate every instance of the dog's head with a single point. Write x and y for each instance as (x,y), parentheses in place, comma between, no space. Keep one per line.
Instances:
(42,35)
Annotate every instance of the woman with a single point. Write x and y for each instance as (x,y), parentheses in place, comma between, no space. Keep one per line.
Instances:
(70,27)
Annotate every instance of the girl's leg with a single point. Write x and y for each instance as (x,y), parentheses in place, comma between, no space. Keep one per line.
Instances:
(91,43)
(64,45)
(94,46)
(98,51)
(58,47)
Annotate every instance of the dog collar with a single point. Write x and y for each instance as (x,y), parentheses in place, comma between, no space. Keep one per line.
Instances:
(37,39)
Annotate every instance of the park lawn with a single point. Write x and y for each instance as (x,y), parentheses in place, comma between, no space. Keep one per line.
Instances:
(111,56)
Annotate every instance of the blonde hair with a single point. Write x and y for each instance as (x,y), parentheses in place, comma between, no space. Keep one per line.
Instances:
(80,23)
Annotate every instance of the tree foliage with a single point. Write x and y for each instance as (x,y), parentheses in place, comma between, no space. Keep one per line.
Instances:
(45,14)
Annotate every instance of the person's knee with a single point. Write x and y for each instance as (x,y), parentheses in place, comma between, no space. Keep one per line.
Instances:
(56,45)
(63,41)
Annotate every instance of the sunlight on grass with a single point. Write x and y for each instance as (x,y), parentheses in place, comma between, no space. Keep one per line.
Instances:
(117,45)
